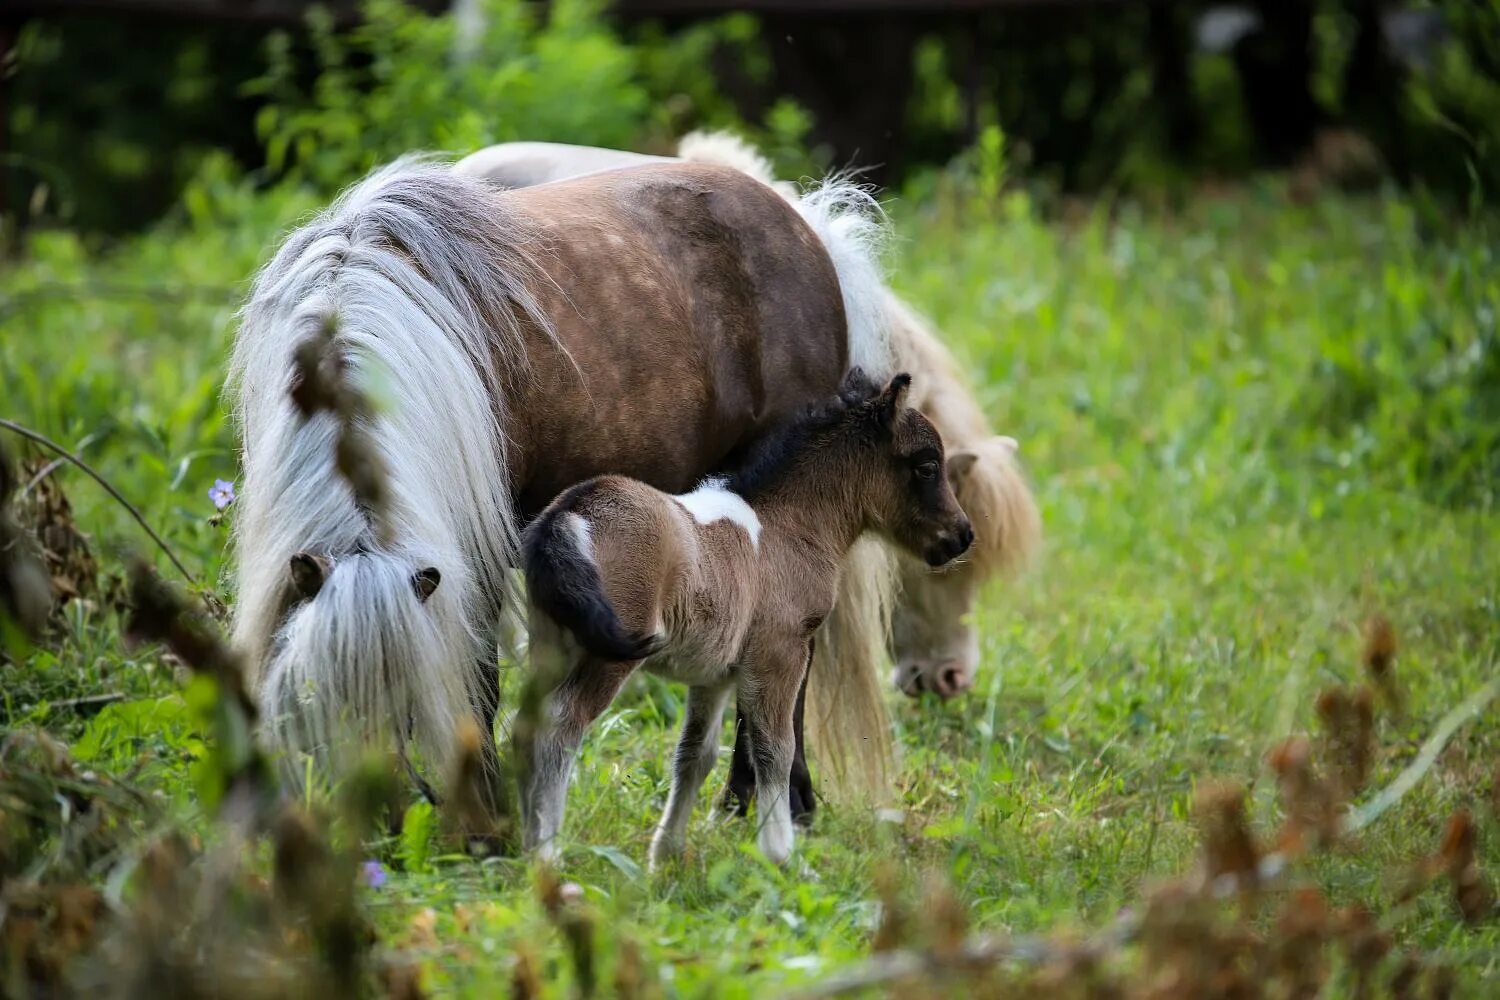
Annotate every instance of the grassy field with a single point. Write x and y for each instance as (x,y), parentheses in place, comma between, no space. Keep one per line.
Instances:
(1252,424)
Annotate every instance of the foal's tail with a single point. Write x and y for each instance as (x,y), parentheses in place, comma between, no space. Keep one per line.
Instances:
(563,580)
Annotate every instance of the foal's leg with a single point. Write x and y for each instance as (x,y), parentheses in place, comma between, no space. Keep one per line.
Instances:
(740,790)
(768,696)
(546,748)
(697,751)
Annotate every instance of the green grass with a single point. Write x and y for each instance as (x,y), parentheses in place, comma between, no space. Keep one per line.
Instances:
(1251,424)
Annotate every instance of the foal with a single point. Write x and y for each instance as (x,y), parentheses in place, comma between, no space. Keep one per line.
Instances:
(723,588)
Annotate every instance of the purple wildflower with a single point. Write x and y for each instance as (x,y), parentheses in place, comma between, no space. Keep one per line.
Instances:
(373,874)
(221,493)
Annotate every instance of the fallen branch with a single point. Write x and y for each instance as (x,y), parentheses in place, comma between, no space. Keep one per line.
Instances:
(1418,768)
(90,704)
(63,453)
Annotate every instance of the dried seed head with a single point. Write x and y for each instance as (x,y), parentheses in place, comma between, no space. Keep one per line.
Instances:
(1228,846)
(25,591)
(469,806)
(944,916)
(1441,982)
(1312,810)
(895,921)
(629,970)
(1407,975)
(1365,944)
(1458,854)
(1348,743)
(46,514)
(402,981)
(1302,927)
(1380,646)
(525,979)
(160,614)
(1379,659)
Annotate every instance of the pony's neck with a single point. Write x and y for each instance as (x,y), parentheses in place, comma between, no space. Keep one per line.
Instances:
(817,502)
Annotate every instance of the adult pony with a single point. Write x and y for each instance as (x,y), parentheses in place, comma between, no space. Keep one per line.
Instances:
(651,322)
(936,648)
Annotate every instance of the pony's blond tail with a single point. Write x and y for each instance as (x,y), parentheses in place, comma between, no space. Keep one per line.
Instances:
(848,728)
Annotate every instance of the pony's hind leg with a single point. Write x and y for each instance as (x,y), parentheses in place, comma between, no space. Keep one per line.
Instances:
(697,751)
(547,745)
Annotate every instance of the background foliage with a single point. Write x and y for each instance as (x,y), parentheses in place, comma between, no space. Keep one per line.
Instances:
(1255,414)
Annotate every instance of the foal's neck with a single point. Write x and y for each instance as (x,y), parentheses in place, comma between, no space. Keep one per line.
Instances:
(819,502)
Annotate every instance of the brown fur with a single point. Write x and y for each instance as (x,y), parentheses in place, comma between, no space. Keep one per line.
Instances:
(675,290)
(726,609)
(935,648)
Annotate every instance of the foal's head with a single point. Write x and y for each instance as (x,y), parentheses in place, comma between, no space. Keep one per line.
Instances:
(898,469)
(870,455)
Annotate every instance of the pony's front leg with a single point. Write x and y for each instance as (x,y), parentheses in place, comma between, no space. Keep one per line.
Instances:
(768,695)
(697,752)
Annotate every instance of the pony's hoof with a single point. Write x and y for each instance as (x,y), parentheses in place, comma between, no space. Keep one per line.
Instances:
(663,853)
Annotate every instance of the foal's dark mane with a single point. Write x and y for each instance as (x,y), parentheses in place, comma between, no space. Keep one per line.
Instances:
(772,457)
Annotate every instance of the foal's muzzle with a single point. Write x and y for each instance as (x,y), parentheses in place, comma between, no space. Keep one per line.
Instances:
(950,545)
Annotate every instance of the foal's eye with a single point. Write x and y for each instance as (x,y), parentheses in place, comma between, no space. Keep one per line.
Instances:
(927,470)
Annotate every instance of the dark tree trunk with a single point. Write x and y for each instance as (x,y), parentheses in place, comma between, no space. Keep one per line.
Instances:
(1275,67)
(855,76)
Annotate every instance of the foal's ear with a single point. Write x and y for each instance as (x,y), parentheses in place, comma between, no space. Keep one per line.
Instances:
(308,573)
(425,582)
(958,464)
(892,399)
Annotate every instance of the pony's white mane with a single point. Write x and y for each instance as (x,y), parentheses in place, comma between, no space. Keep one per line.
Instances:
(425,276)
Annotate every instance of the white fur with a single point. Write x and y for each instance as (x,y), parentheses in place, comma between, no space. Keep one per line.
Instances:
(851,224)
(524,164)
(713,501)
(583,535)
(776,836)
(410,265)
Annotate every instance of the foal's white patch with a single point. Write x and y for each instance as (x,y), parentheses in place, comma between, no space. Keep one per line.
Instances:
(583,535)
(713,501)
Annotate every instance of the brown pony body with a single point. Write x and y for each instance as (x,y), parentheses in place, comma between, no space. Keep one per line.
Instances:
(651,322)
(724,589)
(669,288)
(933,640)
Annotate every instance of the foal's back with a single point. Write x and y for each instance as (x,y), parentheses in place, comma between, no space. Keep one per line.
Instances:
(679,571)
